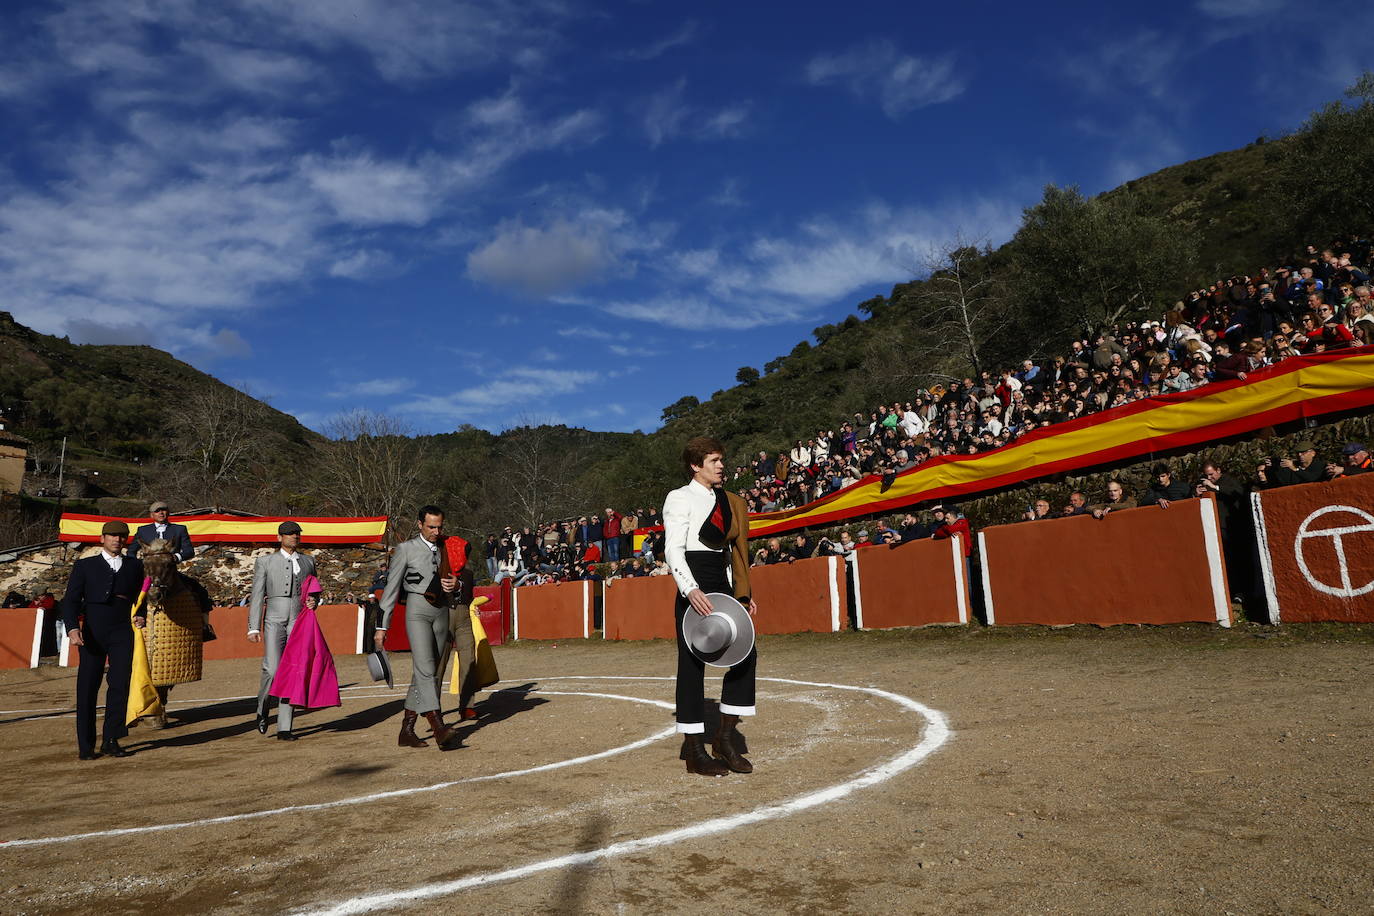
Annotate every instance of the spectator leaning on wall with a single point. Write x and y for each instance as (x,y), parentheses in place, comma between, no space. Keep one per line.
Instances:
(1165,489)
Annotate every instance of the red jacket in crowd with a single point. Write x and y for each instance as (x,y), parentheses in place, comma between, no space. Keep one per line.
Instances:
(950,529)
(611,528)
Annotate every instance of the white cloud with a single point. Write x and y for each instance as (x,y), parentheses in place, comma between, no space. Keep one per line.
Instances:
(541,261)
(566,253)
(514,388)
(685,34)
(900,83)
(365,262)
(189,193)
(667,115)
(778,279)
(374,388)
(364,190)
(592,333)
(254,70)
(1148,60)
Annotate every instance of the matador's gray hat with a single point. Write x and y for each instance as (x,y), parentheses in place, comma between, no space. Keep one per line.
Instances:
(379,667)
(724,637)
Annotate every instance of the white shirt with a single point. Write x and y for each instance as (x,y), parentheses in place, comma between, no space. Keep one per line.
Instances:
(295,562)
(684,512)
(801,456)
(913,423)
(115,560)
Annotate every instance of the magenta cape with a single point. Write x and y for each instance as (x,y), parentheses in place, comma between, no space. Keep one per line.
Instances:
(305,676)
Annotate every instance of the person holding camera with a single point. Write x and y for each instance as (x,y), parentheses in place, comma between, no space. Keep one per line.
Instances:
(1284,472)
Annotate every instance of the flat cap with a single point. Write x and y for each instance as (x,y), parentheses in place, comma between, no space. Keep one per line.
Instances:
(1304,446)
(288,528)
(158,505)
(115,527)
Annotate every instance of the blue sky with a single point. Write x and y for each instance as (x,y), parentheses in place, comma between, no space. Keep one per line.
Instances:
(509,211)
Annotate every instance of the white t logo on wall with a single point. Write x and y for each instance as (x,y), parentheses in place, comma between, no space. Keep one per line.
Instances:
(1345,589)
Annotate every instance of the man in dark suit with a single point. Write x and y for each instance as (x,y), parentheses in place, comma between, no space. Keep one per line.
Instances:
(160,529)
(95,610)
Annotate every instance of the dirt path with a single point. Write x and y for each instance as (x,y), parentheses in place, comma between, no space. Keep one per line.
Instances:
(1179,770)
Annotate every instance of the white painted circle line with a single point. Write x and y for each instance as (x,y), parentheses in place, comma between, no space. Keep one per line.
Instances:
(937,732)
(375,796)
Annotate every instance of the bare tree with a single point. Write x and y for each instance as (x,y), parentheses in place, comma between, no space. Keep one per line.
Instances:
(960,305)
(212,435)
(537,470)
(373,466)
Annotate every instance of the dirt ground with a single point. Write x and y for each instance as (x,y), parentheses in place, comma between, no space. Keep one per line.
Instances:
(1185,769)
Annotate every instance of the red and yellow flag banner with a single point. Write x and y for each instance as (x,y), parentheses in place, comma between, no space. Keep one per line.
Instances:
(234,529)
(1298,387)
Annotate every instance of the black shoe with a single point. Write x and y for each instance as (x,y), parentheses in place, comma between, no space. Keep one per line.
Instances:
(111,748)
(262,723)
(285,736)
(87,755)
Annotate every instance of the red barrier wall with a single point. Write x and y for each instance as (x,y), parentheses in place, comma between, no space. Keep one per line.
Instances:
(20,630)
(495,614)
(339,622)
(808,596)
(913,585)
(1147,565)
(559,611)
(640,608)
(1316,545)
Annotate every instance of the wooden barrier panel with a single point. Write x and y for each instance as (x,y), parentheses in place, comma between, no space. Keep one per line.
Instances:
(341,624)
(808,596)
(640,608)
(21,631)
(495,614)
(912,585)
(559,611)
(1146,565)
(1316,544)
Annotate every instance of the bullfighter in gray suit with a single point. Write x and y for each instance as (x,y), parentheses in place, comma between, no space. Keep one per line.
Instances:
(277,581)
(413,567)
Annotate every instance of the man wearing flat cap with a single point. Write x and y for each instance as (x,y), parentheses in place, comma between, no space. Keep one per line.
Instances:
(272,610)
(95,610)
(161,529)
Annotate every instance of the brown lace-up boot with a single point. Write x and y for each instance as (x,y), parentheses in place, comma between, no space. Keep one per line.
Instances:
(698,761)
(408,738)
(442,733)
(724,748)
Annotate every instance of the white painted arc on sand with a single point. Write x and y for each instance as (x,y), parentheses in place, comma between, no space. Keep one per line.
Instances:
(937,732)
(373,797)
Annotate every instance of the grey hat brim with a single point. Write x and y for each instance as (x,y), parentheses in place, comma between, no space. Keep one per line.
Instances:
(737,650)
(379,667)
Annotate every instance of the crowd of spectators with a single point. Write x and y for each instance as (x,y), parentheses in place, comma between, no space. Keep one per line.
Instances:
(586,548)
(1227,331)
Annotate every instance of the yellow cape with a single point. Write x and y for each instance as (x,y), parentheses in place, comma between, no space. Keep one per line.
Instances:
(484,662)
(143,698)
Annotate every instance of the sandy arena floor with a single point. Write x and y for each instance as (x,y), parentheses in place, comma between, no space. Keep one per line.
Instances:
(1075,771)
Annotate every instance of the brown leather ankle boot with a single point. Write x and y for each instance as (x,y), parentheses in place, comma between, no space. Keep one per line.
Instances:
(723,745)
(698,761)
(442,733)
(408,738)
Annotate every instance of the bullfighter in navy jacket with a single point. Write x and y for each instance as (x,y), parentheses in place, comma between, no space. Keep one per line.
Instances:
(95,610)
